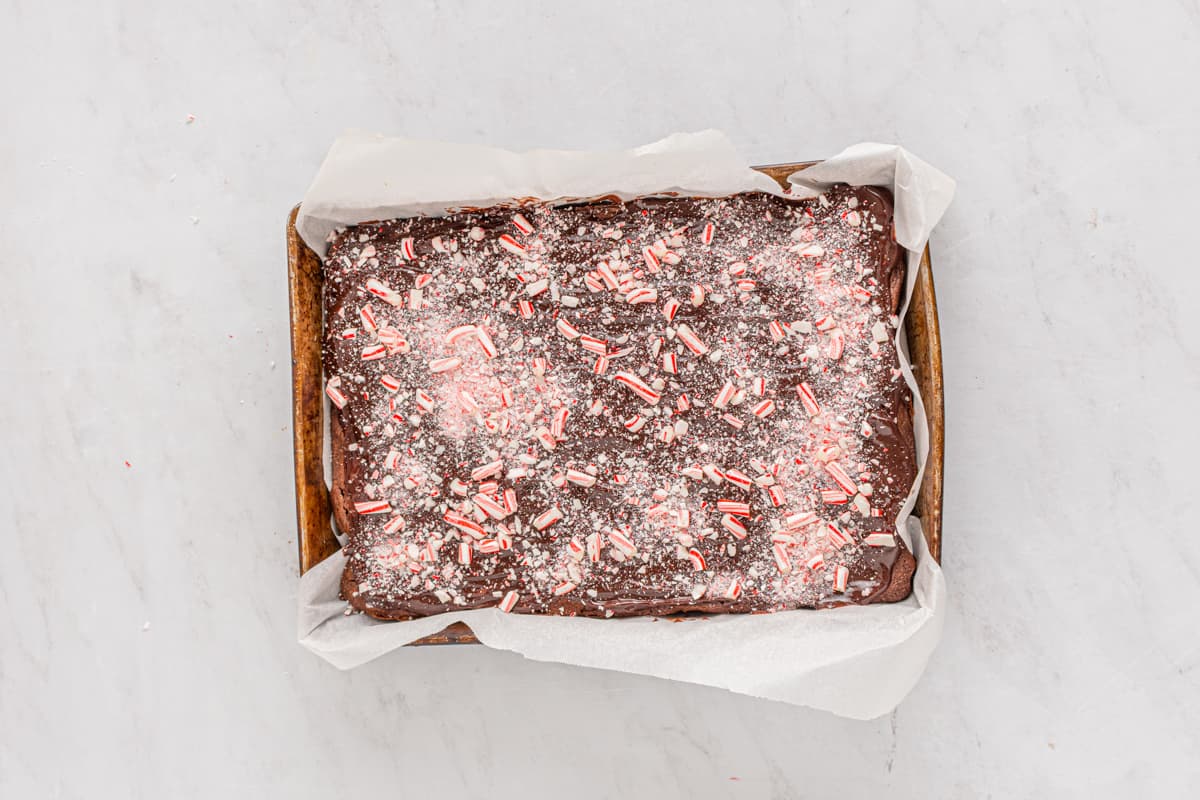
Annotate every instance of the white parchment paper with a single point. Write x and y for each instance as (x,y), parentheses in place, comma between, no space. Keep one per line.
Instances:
(857,662)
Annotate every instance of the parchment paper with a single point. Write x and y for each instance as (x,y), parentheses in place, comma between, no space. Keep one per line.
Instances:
(857,662)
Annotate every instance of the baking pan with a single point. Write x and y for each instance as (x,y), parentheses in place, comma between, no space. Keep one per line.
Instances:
(313,512)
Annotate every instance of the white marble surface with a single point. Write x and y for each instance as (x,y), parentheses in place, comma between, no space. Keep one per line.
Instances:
(147,638)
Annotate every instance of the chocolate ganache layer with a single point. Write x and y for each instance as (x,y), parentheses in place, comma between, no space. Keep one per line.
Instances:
(618,408)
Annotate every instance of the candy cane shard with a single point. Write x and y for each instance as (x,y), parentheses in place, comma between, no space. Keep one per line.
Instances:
(738,478)
(511,245)
(509,602)
(438,365)
(637,386)
(487,470)
(580,478)
(547,518)
(336,396)
(734,526)
(841,578)
(460,333)
(622,543)
(522,224)
(837,537)
(808,399)
(724,395)
(373,507)
(690,340)
(841,478)
(384,292)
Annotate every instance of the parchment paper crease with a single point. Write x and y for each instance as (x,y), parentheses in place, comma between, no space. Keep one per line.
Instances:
(857,662)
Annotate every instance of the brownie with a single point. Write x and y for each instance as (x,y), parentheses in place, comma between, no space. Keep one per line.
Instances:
(612,408)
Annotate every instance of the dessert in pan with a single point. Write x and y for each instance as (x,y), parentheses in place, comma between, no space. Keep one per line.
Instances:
(610,408)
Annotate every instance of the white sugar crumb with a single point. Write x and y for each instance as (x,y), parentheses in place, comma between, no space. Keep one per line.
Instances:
(602,484)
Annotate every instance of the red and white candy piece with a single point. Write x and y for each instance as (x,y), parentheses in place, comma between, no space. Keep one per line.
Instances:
(374,353)
(580,478)
(637,386)
(837,344)
(464,553)
(731,524)
(726,394)
(424,401)
(733,507)
(834,497)
(808,399)
(635,423)
(607,275)
(367,315)
(545,438)
(485,342)
(487,470)
(782,560)
(690,340)
(463,523)
(594,345)
(707,235)
(800,519)
(566,329)
(650,258)
(460,333)
(642,295)
(373,507)
(522,224)
(739,478)
(841,478)
(764,409)
(670,363)
(509,602)
(336,396)
(566,587)
(390,383)
(777,330)
(558,422)
(697,296)
(511,245)
(776,495)
(622,542)
(734,590)
(670,309)
(547,518)
(841,577)
(879,539)
(697,559)
(384,292)
(595,547)
(837,537)
(438,365)
(408,248)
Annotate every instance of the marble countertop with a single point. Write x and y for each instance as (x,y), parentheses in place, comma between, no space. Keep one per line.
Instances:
(147,583)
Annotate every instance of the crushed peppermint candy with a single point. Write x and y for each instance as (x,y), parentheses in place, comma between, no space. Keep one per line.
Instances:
(547,406)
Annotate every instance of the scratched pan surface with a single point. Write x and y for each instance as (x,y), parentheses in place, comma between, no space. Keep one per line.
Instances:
(313,512)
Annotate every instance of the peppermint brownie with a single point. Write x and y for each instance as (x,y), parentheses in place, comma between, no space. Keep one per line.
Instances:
(621,408)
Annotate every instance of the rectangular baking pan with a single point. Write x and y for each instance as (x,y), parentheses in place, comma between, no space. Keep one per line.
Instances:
(313,512)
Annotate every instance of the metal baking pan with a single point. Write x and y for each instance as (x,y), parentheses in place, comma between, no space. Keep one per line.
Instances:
(315,535)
